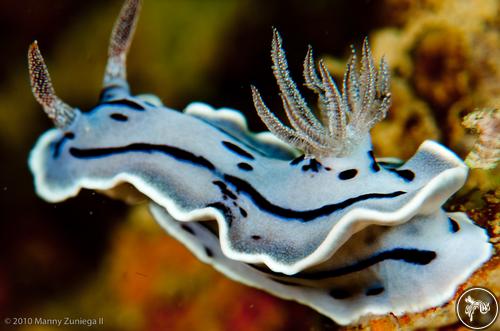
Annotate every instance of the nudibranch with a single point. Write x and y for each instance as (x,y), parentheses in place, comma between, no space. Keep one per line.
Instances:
(305,212)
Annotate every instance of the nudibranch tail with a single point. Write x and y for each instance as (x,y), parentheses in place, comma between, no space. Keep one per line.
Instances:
(61,113)
(345,117)
(115,76)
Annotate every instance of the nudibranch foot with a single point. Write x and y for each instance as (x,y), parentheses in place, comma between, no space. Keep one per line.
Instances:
(381,270)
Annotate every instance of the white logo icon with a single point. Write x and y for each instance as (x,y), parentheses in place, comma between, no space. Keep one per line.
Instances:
(477,308)
(472,305)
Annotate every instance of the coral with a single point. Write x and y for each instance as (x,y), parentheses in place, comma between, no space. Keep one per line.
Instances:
(410,120)
(446,53)
(486,151)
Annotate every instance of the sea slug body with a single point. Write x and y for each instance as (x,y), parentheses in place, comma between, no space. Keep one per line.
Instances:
(305,212)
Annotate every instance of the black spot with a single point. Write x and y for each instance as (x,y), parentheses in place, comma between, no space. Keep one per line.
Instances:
(224,189)
(177,153)
(57,145)
(338,293)
(297,160)
(124,102)
(256,237)
(243,212)
(313,166)
(209,252)
(119,117)
(407,175)
(238,150)
(375,290)
(187,229)
(245,166)
(328,168)
(375,166)
(454,227)
(348,174)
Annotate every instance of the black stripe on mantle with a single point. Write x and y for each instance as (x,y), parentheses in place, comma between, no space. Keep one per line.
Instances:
(240,184)
(407,255)
(302,215)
